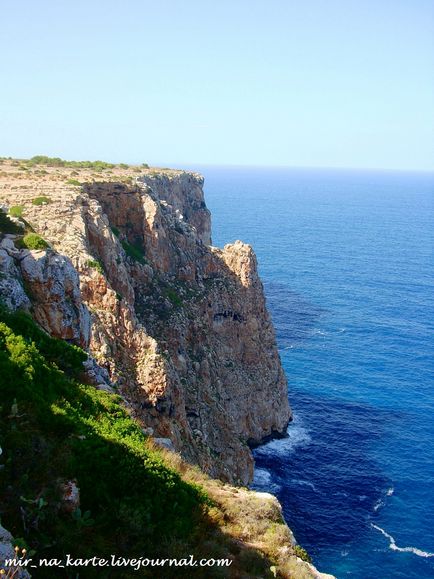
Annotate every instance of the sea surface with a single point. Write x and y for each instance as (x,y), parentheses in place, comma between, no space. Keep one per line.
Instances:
(347,260)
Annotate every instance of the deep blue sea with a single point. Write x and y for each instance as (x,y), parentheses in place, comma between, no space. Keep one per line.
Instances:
(347,260)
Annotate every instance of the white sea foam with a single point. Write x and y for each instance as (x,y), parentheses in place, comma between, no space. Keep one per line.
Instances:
(378,505)
(262,477)
(381,502)
(395,547)
(262,481)
(297,436)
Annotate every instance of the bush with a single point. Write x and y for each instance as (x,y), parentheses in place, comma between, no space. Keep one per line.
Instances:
(173,297)
(33,241)
(115,231)
(73,182)
(133,251)
(43,200)
(95,264)
(58,162)
(302,553)
(8,226)
(16,211)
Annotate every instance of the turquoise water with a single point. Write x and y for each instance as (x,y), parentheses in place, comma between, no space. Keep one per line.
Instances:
(347,263)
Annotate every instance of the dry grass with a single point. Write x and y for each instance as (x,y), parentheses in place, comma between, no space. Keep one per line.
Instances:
(249,526)
(26,182)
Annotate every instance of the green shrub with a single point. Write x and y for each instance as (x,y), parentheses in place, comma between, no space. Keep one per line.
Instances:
(133,251)
(124,166)
(73,182)
(42,200)
(96,264)
(172,295)
(302,553)
(16,211)
(8,226)
(115,231)
(32,241)
(58,162)
(145,165)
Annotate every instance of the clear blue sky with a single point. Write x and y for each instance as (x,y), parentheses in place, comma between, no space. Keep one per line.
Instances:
(338,83)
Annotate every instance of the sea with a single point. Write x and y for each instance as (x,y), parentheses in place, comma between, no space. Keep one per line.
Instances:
(346,258)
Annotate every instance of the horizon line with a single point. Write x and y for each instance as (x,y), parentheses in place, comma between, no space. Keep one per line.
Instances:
(173,165)
(307,167)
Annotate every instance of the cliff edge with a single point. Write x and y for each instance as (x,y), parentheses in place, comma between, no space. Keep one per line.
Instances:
(180,327)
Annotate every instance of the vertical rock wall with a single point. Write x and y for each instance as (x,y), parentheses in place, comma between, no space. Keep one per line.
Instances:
(181,327)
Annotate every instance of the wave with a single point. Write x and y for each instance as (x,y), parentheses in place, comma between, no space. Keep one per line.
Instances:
(305,483)
(262,480)
(297,436)
(381,502)
(395,547)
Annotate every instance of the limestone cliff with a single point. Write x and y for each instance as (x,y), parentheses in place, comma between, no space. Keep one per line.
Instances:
(180,326)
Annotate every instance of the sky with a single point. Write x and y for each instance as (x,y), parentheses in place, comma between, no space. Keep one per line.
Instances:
(314,83)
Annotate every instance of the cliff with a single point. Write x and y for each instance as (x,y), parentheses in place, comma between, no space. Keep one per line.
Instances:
(180,326)
(122,266)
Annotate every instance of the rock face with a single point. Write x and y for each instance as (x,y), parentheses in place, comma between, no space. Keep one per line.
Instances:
(46,284)
(53,284)
(180,326)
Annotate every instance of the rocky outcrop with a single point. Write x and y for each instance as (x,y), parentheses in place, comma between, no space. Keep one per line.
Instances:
(47,284)
(181,327)
(53,285)
(182,193)
(11,282)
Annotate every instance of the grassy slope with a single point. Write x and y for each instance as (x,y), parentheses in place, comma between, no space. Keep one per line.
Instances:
(55,429)
(135,499)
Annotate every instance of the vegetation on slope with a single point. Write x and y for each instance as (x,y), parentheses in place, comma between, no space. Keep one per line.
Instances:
(136,500)
(31,241)
(55,430)
(9,226)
